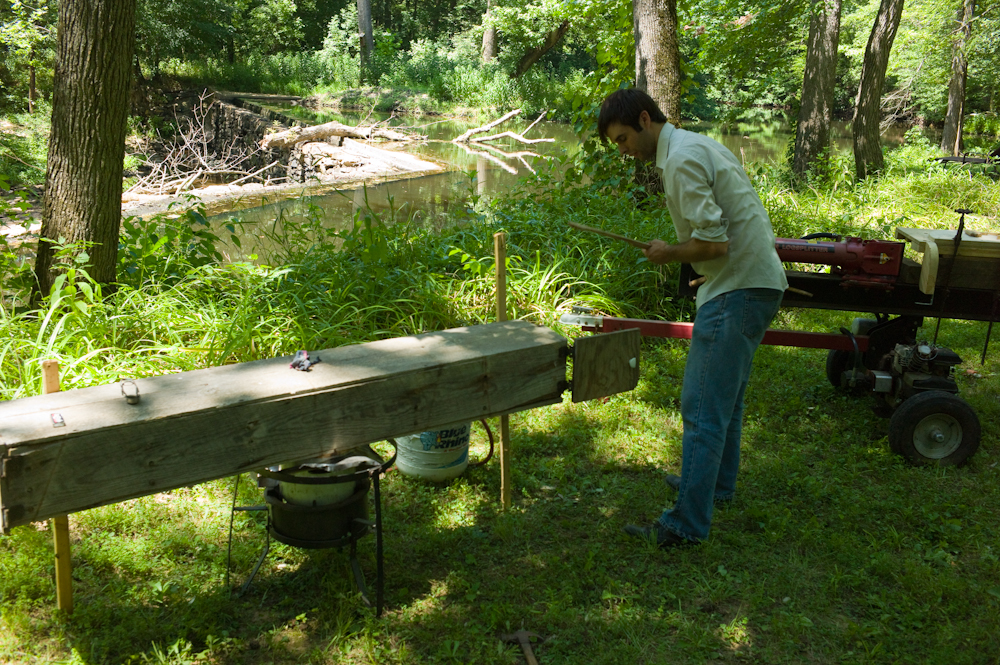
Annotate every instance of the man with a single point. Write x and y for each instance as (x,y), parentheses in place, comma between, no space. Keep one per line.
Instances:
(724,232)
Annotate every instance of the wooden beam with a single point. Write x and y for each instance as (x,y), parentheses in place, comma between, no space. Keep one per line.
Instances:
(60,523)
(500,264)
(79,449)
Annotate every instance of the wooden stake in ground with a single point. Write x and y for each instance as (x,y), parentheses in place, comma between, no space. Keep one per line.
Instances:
(500,254)
(60,524)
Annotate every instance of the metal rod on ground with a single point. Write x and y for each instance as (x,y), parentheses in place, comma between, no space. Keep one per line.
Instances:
(60,524)
(500,256)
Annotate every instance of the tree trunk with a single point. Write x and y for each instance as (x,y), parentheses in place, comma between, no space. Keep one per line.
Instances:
(657,54)
(812,136)
(951,137)
(366,36)
(868,158)
(535,54)
(32,91)
(83,180)
(489,38)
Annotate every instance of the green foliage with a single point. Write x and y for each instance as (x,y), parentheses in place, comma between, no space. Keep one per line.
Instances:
(167,247)
(985,124)
(23,147)
(27,39)
(340,55)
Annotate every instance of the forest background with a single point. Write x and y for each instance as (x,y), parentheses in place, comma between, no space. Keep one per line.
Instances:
(734,55)
(837,551)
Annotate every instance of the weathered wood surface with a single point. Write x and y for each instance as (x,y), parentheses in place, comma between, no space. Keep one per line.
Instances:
(197,426)
(982,246)
(606,364)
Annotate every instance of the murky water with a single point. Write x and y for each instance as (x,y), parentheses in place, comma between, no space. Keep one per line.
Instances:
(490,172)
(468,171)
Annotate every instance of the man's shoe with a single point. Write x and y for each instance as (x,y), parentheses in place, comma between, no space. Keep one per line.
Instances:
(674,481)
(659,535)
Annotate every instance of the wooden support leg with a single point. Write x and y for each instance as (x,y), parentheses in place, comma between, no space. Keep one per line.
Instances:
(60,524)
(500,255)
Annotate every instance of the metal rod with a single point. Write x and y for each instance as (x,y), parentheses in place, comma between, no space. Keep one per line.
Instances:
(986,344)
(379,573)
(253,573)
(359,578)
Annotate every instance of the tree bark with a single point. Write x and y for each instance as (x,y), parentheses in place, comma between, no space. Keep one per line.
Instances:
(868,158)
(951,137)
(657,54)
(367,38)
(535,54)
(812,136)
(83,180)
(489,38)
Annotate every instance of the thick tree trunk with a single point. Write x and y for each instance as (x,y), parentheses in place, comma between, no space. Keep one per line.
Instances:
(657,54)
(951,137)
(812,136)
(868,158)
(489,38)
(366,35)
(83,181)
(535,54)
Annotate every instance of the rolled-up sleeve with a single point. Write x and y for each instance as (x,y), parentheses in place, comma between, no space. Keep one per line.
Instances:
(688,183)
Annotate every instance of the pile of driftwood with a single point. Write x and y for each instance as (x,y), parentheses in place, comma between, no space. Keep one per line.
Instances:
(309,139)
(191,159)
(188,160)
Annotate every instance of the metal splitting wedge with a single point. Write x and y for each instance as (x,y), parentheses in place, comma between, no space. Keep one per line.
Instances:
(524,637)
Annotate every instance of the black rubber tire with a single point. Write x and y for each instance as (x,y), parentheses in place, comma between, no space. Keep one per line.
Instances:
(838,362)
(935,427)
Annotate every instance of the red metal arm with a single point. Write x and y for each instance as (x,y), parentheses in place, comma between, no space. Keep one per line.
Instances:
(676,330)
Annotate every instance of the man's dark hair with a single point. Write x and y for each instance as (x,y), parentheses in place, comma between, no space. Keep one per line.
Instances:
(624,107)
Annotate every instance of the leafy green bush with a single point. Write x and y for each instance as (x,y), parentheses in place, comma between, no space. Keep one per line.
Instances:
(985,124)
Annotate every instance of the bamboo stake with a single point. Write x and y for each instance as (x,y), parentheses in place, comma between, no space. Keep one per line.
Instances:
(500,256)
(60,524)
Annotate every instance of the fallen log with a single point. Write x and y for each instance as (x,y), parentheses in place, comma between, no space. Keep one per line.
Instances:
(290,137)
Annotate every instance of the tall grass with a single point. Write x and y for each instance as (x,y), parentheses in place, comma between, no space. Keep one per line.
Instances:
(836,551)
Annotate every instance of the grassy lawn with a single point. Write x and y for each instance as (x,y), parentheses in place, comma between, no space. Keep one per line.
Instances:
(835,550)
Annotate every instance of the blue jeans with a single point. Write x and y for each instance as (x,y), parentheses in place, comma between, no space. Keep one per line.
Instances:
(727,331)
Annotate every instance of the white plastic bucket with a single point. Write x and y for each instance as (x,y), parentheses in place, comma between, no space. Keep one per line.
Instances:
(435,455)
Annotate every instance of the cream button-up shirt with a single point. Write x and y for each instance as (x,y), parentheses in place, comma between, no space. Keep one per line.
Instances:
(709,197)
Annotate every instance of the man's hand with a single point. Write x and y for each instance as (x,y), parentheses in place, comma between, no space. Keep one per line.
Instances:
(692,251)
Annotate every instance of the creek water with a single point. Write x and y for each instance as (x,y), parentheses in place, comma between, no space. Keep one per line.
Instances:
(429,198)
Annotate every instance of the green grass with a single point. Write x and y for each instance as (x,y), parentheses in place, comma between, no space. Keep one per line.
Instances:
(835,550)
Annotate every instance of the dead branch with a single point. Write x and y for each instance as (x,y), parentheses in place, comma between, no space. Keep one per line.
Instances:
(470,136)
(485,128)
(188,159)
(516,137)
(290,137)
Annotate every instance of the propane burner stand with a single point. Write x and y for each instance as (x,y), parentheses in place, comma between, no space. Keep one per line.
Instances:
(324,525)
